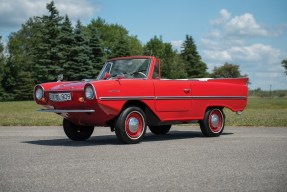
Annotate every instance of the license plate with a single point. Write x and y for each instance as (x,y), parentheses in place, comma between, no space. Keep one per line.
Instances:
(60,96)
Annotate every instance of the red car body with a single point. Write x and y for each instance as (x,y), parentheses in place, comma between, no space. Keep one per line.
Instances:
(163,101)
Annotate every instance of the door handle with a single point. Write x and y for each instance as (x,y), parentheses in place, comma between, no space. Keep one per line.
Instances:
(186,90)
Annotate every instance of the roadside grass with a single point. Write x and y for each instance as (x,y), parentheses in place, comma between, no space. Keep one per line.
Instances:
(25,113)
(259,112)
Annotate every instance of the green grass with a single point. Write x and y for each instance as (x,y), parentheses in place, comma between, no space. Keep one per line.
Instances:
(25,113)
(259,112)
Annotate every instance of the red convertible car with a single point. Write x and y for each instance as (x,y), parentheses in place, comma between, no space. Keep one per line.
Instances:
(129,95)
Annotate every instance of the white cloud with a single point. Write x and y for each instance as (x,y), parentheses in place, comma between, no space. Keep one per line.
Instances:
(256,52)
(224,16)
(16,12)
(245,25)
(238,40)
(220,55)
(77,9)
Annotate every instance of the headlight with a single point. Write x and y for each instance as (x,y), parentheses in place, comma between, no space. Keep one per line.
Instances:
(39,94)
(89,92)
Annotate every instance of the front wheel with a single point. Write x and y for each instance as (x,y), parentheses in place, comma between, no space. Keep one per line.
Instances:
(77,132)
(130,127)
(160,130)
(213,123)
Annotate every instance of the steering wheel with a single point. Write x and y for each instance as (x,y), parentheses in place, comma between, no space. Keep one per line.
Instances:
(141,73)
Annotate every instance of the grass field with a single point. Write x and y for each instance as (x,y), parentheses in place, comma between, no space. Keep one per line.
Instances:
(259,112)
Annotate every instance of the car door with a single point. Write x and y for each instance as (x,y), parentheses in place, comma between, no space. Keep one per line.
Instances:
(172,95)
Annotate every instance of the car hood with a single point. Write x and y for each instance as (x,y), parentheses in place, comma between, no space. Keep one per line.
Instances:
(69,86)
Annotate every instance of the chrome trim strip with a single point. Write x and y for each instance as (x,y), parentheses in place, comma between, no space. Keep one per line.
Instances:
(173,98)
(64,91)
(67,111)
(127,98)
(219,97)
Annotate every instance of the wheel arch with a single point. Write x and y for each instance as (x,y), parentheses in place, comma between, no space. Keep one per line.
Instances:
(151,117)
(215,106)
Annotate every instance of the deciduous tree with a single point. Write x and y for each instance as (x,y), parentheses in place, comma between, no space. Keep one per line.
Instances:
(226,71)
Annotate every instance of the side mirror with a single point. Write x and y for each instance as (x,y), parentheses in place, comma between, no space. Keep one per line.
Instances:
(107,75)
(60,78)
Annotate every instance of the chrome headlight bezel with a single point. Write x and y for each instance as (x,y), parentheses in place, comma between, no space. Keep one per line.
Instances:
(90,92)
(39,93)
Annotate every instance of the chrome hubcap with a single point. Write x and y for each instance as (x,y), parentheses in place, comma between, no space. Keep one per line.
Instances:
(214,120)
(134,124)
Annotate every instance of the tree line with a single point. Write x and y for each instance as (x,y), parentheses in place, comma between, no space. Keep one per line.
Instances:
(48,45)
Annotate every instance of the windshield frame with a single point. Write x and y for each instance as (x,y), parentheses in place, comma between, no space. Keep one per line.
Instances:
(111,62)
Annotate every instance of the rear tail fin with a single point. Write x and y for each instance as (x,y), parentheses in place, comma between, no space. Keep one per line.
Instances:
(240,81)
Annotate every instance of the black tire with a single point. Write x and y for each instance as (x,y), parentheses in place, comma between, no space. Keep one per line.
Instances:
(160,130)
(76,132)
(130,126)
(213,123)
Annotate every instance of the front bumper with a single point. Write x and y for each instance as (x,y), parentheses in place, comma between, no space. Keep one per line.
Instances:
(67,111)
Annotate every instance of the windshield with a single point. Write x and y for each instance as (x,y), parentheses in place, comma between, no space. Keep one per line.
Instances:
(126,68)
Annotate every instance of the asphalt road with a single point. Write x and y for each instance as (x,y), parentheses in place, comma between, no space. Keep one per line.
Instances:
(242,159)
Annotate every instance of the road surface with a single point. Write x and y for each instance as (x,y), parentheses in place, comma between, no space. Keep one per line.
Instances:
(242,159)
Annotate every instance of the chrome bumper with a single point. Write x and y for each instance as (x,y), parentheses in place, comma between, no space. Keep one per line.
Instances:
(66,111)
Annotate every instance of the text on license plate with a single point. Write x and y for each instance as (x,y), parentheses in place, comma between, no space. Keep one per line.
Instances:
(60,96)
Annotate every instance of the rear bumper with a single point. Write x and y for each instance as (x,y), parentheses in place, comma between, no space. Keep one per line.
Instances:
(67,111)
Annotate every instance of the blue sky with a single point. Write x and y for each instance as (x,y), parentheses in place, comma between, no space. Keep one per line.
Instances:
(250,33)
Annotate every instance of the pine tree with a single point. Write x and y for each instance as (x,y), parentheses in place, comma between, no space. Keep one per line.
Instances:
(9,79)
(23,88)
(97,55)
(47,54)
(122,48)
(66,45)
(2,64)
(80,65)
(20,61)
(195,67)
(284,64)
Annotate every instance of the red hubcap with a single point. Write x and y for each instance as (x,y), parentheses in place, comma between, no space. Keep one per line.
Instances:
(134,125)
(215,121)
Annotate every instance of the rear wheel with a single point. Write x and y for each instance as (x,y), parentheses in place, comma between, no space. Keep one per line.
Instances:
(160,130)
(77,132)
(213,123)
(130,127)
